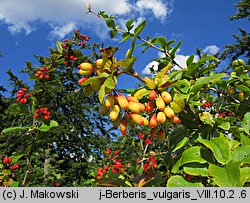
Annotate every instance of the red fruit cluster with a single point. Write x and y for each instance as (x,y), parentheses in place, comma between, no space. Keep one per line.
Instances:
(148,141)
(7,160)
(107,152)
(206,104)
(225,114)
(115,164)
(43,73)
(14,167)
(151,162)
(80,41)
(22,96)
(140,135)
(43,112)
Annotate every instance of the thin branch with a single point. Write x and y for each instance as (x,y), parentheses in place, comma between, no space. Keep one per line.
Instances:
(134,74)
(140,38)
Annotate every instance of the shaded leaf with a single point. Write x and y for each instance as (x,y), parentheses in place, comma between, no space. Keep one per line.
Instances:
(196,169)
(13,129)
(220,148)
(179,181)
(141,93)
(230,173)
(242,154)
(45,127)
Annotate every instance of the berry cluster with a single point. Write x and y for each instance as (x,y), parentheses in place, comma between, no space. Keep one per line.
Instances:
(43,73)
(147,140)
(43,112)
(79,40)
(206,105)
(115,164)
(22,96)
(225,114)
(8,161)
(151,162)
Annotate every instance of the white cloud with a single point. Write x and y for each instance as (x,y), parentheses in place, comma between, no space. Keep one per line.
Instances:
(61,32)
(152,64)
(157,7)
(61,15)
(212,49)
(179,59)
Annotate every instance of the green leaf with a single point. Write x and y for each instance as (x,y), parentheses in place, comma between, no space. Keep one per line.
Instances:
(19,109)
(242,154)
(161,41)
(246,123)
(102,93)
(220,148)
(190,155)
(112,33)
(150,83)
(110,23)
(45,127)
(178,99)
(110,83)
(15,158)
(137,31)
(224,125)
(129,24)
(179,181)
(245,175)
(59,46)
(228,176)
(206,80)
(126,37)
(190,60)
(113,179)
(140,27)
(180,144)
(141,93)
(172,53)
(206,118)
(92,79)
(15,184)
(176,108)
(183,85)
(13,129)
(196,169)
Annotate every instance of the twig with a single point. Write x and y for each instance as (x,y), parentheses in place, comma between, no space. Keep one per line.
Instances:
(139,37)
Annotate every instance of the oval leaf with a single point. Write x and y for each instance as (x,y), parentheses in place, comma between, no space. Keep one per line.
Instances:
(179,181)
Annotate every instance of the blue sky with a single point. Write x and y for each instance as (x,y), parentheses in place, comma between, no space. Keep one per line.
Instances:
(31,27)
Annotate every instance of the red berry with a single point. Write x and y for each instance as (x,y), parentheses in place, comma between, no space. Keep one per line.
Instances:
(148,141)
(26,95)
(77,31)
(6,160)
(116,152)
(107,151)
(14,167)
(140,135)
(66,40)
(46,76)
(152,95)
(46,117)
(64,46)
(9,160)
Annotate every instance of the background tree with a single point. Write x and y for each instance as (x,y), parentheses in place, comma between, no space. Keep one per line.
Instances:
(242,44)
(64,154)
